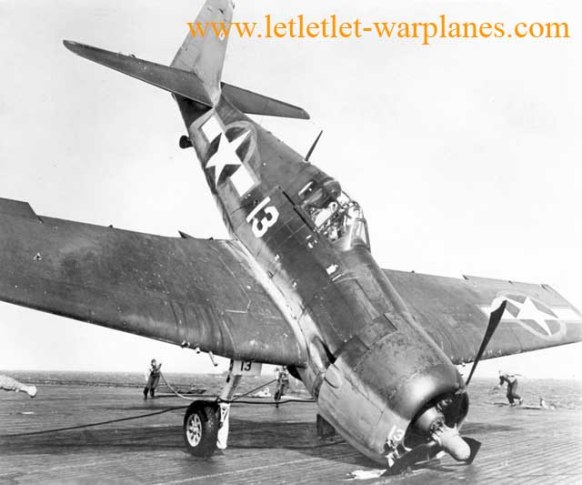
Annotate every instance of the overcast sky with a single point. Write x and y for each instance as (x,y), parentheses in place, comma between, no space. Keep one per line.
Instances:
(465,155)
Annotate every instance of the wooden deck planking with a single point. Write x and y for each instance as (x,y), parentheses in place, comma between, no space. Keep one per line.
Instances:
(267,445)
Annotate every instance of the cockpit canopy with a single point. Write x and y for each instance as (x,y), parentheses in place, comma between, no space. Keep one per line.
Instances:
(319,195)
(334,215)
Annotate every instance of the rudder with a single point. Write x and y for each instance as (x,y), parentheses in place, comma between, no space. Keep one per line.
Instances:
(204,54)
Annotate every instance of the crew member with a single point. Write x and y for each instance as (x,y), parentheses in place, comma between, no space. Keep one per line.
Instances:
(153,378)
(511,380)
(10,384)
(282,384)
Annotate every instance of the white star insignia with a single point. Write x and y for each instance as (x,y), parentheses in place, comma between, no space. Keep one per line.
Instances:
(522,312)
(226,154)
(528,311)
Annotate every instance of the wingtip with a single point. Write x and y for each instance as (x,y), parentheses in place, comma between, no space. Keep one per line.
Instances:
(300,113)
(80,49)
(73,46)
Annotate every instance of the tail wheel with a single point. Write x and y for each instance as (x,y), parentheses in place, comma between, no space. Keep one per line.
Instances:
(201,423)
(185,142)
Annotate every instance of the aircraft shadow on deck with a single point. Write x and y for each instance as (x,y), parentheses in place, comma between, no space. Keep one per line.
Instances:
(244,435)
(483,428)
(85,440)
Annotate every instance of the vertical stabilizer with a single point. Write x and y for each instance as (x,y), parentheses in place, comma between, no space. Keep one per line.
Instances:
(204,48)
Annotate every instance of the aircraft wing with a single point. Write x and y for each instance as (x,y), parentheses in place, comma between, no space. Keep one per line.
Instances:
(185,291)
(455,313)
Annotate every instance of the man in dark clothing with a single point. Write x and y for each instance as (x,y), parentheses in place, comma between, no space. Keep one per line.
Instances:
(512,383)
(282,384)
(155,370)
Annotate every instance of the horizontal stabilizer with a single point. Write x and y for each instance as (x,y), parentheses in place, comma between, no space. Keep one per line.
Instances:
(257,104)
(186,84)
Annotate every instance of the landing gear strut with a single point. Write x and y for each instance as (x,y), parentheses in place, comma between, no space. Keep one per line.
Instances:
(206,422)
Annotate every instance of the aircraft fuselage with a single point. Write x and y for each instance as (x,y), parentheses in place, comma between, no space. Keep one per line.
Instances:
(371,367)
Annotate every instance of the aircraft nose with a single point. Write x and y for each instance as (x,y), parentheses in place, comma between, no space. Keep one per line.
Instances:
(440,421)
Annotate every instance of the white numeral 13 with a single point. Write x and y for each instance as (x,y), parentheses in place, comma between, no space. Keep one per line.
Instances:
(263,217)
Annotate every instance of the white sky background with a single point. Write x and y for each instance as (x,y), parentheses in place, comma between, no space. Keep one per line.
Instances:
(466,155)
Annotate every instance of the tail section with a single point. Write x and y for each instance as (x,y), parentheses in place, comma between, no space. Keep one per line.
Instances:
(204,54)
(186,84)
(196,71)
(258,104)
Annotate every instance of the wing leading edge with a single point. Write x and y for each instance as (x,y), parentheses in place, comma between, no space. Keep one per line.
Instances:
(189,292)
(455,313)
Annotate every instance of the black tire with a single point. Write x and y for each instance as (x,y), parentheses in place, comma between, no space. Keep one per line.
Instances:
(200,430)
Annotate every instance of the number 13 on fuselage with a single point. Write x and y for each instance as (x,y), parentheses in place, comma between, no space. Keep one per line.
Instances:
(262,217)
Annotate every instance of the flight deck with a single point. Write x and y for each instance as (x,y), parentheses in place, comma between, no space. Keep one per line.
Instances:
(135,441)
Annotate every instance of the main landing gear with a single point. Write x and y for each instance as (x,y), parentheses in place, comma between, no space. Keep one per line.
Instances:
(206,422)
(201,426)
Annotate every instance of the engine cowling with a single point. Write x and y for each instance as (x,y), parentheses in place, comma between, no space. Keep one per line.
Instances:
(378,393)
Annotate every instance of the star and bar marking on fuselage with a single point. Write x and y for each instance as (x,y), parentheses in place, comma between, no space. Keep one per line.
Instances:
(226,156)
(228,165)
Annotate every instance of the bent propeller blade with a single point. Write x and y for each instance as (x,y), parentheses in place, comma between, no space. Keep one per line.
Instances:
(494,320)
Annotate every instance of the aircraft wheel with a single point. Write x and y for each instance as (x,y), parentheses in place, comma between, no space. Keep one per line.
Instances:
(201,423)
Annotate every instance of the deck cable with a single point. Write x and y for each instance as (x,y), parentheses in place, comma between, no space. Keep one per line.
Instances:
(90,425)
(253,390)
(172,389)
(236,399)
